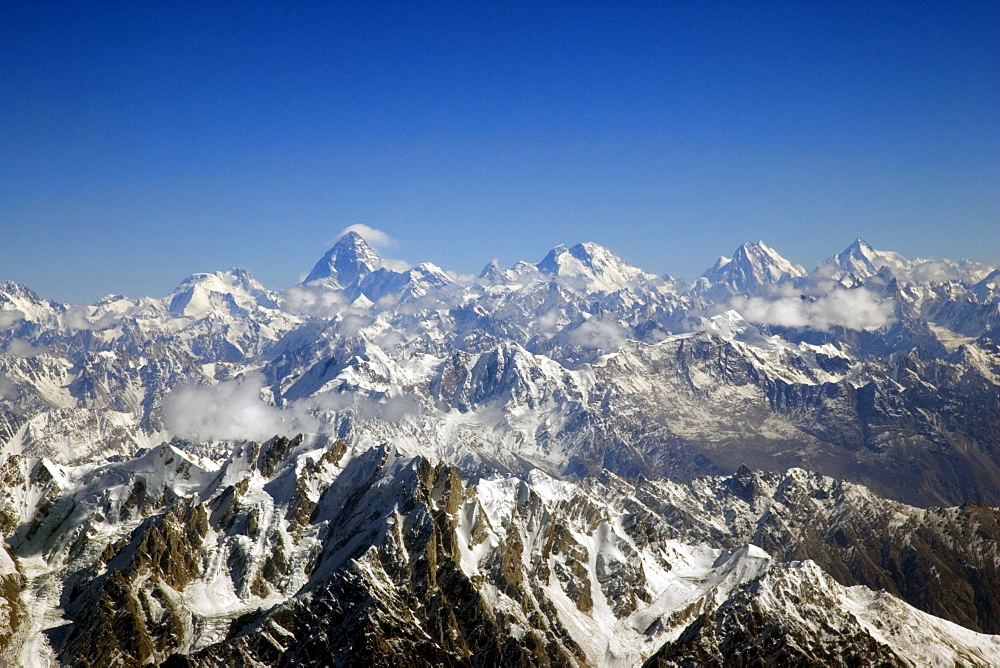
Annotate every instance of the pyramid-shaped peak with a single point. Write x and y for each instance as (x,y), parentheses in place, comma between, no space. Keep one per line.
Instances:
(857,259)
(759,252)
(753,265)
(861,260)
(491,270)
(353,244)
(348,260)
(351,238)
(859,248)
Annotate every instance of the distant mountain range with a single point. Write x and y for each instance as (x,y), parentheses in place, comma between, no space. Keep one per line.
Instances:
(574,462)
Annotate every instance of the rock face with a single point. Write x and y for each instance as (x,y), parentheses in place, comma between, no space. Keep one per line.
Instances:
(14,613)
(938,559)
(773,621)
(573,462)
(308,552)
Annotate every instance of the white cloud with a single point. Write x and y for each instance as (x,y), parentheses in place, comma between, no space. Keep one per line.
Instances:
(235,410)
(10,317)
(353,322)
(399,266)
(386,409)
(858,309)
(933,271)
(8,388)
(22,348)
(76,317)
(373,236)
(597,333)
(550,321)
(231,410)
(464,279)
(389,338)
(312,301)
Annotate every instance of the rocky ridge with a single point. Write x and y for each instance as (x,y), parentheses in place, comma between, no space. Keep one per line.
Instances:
(555,450)
(299,551)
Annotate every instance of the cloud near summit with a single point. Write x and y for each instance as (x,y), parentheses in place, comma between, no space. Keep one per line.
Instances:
(374,237)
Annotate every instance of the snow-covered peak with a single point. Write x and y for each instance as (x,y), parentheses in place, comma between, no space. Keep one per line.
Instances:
(348,261)
(858,248)
(861,261)
(719,264)
(18,302)
(407,285)
(235,292)
(989,287)
(521,273)
(15,291)
(429,271)
(592,267)
(424,278)
(858,259)
(753,265)
(492,273)
(730,326)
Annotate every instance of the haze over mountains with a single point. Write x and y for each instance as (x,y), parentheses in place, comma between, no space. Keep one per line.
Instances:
(573,459)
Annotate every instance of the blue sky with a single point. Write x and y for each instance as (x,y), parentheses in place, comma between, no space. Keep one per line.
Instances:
(142,142)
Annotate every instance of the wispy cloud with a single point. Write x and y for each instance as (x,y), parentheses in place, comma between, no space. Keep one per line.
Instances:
(312,301)
(396,265)
(22,348)
(464,279)
(8,388)
(598,333)
(231,410)
(76,317)
(858,309)
(236,410)
(10,317)
(386,409)
(375,237)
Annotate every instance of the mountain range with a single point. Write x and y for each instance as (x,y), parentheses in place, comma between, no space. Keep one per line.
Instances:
(573,462)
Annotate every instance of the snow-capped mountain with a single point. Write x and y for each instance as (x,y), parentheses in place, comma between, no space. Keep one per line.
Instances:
(752,267)
(235,292)
(860,262)
(572,459)
(348,261)
(592,268)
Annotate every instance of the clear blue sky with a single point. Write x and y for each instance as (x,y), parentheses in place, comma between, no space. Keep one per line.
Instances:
(141,142)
